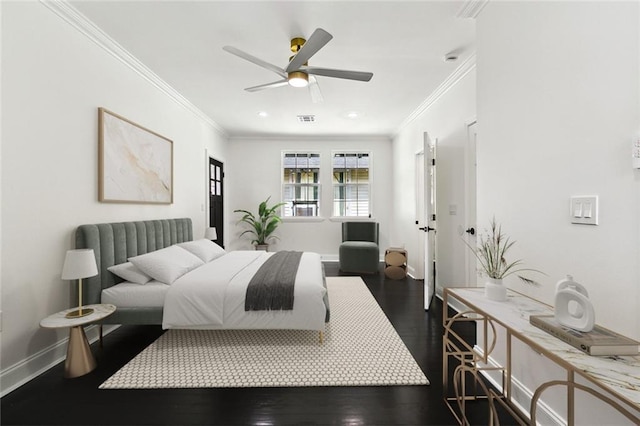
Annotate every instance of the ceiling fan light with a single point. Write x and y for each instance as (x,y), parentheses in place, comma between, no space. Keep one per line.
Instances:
(298,79)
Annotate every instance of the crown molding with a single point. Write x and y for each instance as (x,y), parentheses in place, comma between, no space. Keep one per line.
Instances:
(467,66)
(76,19)
(471,8)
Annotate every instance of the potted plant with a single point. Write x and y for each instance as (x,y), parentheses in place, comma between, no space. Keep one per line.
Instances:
(491,254)
(262,225)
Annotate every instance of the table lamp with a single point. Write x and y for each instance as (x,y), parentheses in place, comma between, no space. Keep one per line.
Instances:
(79,264)
(211,234)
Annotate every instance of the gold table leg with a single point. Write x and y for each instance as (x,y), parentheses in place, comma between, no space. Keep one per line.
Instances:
(80,360)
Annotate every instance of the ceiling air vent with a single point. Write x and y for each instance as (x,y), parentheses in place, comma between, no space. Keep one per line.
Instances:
(307,118)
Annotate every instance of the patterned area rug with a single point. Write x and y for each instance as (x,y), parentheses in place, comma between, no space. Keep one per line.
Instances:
(361,348)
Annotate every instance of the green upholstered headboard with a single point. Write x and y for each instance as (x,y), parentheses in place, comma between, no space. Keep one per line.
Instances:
(114,243)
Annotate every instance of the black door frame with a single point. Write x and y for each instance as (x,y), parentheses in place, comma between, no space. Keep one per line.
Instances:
(216,198)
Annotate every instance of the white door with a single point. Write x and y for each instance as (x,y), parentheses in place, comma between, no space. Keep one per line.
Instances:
(420,216)
(429,221)
(471,229)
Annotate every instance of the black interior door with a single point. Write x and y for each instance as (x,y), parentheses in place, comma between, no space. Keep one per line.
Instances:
(216,199)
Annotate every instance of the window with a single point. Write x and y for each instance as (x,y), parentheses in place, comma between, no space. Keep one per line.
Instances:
(351,184)
(300,187)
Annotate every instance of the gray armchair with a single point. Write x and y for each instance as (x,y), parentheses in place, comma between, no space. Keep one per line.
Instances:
(359,251)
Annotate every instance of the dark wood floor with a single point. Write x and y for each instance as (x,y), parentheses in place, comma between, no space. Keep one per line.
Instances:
(52,400)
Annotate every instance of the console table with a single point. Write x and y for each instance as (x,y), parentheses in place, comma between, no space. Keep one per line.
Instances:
(613,380)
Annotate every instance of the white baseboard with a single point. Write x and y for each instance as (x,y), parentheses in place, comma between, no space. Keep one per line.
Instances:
(411,271)
(18,374)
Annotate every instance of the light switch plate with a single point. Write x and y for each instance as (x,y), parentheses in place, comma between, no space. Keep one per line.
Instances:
(584,210)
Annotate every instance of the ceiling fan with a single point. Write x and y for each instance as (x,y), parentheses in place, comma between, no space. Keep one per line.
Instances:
(298,73)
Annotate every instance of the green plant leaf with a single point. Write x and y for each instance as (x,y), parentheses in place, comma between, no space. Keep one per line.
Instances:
(264,224)
(491,254)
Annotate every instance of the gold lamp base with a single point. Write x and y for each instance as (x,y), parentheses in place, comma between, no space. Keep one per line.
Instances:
(79,313)
(80,360)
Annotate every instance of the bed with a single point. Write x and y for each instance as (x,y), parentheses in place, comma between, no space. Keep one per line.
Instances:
(208,287)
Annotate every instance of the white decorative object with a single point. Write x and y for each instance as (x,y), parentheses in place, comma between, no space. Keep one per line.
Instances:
(495,290)
(573,308)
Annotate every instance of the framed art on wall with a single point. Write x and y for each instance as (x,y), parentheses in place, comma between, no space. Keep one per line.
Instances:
(135,164)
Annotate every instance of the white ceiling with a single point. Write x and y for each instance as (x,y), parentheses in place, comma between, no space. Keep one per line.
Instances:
(402,43)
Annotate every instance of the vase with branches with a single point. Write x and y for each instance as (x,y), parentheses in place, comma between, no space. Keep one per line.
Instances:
(491,254)
(262,225)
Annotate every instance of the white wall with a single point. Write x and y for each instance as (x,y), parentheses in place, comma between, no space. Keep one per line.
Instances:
(558,108)
(557,115)
(256,174)
(445,119)
(53,81)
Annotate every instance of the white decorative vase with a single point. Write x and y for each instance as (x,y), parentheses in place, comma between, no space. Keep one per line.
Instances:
(495,290)
(573,307)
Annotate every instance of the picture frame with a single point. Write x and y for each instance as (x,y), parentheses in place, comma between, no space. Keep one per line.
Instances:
(135,164)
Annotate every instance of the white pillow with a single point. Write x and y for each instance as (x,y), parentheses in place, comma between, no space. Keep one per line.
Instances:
(205,249)
(168,264)
(130,272)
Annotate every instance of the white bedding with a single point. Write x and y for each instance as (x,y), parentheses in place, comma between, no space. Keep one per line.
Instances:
(133,295)
(212,296)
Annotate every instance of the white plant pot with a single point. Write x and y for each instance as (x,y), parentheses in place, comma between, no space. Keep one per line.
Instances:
(495,290)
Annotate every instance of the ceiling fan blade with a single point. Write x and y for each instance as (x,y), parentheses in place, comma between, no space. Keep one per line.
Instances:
(328,72)
(267,86)
(317,40)
(257,61)
(314,90)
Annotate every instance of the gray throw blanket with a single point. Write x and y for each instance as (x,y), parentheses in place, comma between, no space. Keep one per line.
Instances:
(271,288)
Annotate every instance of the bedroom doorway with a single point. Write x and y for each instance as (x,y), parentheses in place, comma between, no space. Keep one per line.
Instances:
(426,216)
(471,230)
(429,223)
(216,199)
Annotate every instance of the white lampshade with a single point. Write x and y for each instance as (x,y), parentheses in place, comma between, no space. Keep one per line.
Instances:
(79,264)
(210,234)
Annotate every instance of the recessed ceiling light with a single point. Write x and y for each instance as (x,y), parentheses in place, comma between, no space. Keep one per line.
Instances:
(354,115)
(263,114)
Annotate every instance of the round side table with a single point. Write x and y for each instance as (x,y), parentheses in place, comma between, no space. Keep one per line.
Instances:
(80,360)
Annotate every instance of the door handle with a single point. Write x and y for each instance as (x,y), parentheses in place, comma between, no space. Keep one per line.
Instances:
(427,229)
(470,231)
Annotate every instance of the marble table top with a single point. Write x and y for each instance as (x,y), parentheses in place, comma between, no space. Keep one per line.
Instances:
(59,320)
(618,374)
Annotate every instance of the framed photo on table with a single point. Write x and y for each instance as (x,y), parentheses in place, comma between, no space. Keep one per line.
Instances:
(135,164)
